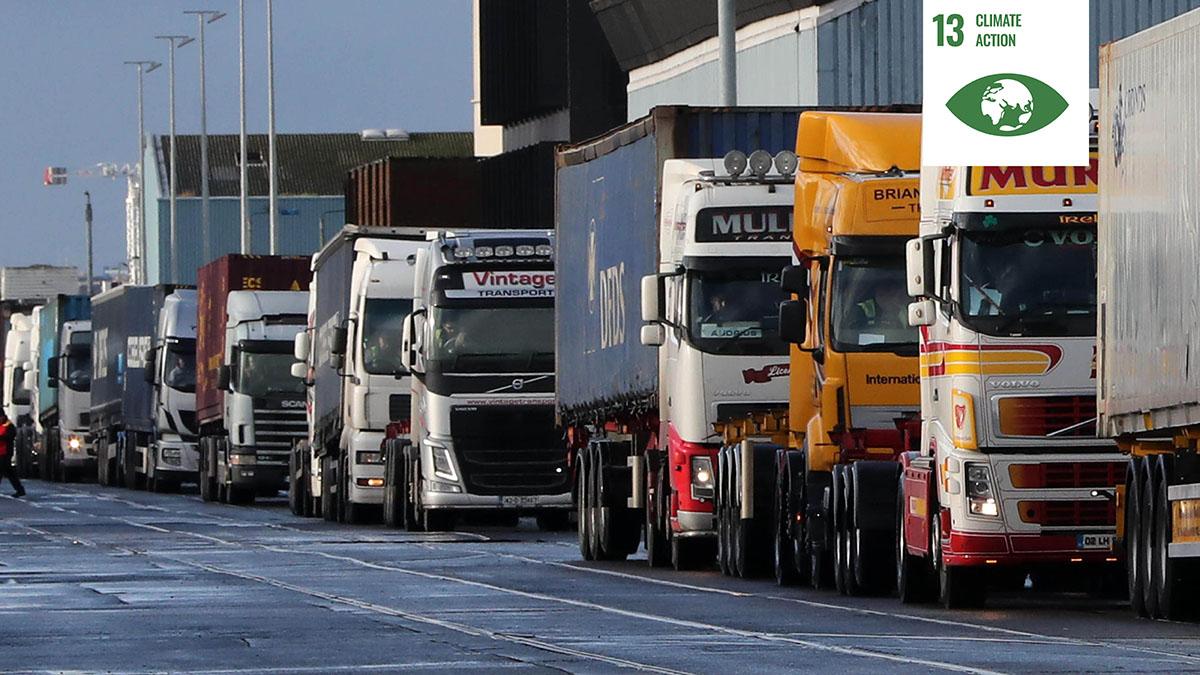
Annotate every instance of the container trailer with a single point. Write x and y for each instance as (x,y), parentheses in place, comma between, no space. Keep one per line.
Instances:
(249,406)
(1149,394)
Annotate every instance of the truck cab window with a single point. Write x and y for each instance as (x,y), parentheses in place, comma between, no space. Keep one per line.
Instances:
(383,326)
(180,369)
(20,395)
(261,374)
(492,340)
(870,306)
(735,311)
(78,375)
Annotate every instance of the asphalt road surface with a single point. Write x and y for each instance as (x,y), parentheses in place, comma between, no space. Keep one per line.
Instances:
(101,579)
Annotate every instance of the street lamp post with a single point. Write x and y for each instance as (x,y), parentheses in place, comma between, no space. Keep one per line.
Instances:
(321,224)
(138,271)
(175,41)
(243,198)
(273,193)
(87,223)
(204,16)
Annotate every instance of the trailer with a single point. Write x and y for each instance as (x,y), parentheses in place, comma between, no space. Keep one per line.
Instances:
(1149,395)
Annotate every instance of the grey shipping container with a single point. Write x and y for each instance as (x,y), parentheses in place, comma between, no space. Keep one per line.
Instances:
(124,321)
(607,205)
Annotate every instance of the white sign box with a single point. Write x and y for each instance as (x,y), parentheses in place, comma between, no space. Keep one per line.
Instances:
(1006,83)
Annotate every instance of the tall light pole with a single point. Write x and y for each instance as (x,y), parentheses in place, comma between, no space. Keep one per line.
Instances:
(273,195)
(87,224)
(175,41)
(139,271)
(727,48)
(243,198)
(204,16)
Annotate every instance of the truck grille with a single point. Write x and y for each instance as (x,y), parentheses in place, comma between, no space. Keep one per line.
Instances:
(275,432)
(1095,513)
(1067,475)
(1045,415)
(509,450)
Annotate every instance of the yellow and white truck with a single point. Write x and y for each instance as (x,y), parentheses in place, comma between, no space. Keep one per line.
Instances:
(1010,475)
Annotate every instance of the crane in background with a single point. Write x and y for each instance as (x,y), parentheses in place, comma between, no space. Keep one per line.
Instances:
(134,235)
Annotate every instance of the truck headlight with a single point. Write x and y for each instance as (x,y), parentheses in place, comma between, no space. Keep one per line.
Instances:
(703,481)
(242,459)
(369,457)
(443,465)
(171,453)
(74,443)
(981,500)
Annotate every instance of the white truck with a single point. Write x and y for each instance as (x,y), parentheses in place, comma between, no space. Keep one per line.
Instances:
(63,377)
(349,359)
(250,409)
(1010,474)
(1149,393)
(480,346)
(18,398)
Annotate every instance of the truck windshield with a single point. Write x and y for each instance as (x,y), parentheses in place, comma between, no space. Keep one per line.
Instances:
(20,395)
(79,367)
(492,340)
(870,306)
(735,311)
(1036,282)
(267,373)
(181,368)
(383,326)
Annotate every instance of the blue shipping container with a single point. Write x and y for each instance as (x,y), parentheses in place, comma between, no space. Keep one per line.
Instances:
(606,214)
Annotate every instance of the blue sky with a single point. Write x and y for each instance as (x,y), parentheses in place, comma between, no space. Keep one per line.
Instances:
(340,65)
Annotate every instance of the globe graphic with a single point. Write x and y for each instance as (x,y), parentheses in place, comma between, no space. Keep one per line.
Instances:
(1008,104)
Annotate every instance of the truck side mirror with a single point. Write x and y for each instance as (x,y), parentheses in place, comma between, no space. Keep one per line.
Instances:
(337,341)
(300,372)
(301,346)
(920,265)
(224,375)
(794,279)
(793,321)
(30,377)
(149,369)
(651,298)
(653,335)
(52,371)
(408,344)
(921,313)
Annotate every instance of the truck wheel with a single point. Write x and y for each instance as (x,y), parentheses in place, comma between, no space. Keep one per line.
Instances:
(128,468)
(1169,575)
(391,488)
(583,505)
(328,496)
(658,546)
(610,525)
(958,587)
(783,518)
(411,480)
(1148,531)
(1134,541)
(308,501)
(839,551)
(912,573)
(721,513)
(352,514)
(296,496)
(205,484)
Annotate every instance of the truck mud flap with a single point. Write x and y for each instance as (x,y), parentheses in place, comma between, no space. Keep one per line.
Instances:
(875,485)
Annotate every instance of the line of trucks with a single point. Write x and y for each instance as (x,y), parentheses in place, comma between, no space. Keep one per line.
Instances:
(819,361)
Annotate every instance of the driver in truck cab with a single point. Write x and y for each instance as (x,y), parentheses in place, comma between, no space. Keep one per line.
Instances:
(880,315)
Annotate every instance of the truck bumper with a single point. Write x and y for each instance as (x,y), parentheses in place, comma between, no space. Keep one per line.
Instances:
(81,457)
(176,457)
(1006,550)
(696,523)
(366,480)
(459,500)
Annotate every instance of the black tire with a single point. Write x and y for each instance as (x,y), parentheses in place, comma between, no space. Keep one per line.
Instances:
(554,521)
(207,491)
(309,507)
(393,517)
(129,469)
(913,575)
(351,513)
(297,490)
(958,587)
(610,524)
(658,544)
(583,505)
(840,565)
(1149,532)
(721,514)
(785,526)
(411,479)
(328,496)
(1170,579)
(1134,541)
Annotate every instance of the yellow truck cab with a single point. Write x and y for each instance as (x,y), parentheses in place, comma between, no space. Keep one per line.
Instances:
(1010,475)
(788,486)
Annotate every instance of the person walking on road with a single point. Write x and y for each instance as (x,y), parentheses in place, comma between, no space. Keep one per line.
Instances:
(8,435)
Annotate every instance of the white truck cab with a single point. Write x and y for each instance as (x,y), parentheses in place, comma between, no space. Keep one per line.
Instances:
(174,450)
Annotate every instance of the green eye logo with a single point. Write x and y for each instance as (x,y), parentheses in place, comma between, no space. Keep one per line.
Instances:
(1007,105)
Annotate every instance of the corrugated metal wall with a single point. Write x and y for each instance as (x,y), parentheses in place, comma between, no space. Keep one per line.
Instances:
(872,54)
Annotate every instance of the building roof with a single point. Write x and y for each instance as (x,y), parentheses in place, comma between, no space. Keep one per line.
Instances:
(309,164)
(645,31)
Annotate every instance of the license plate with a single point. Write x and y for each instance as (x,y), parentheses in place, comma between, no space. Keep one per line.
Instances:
(513,501)
(1098,542)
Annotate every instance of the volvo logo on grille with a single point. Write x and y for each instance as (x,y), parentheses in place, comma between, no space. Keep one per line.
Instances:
(518,384)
